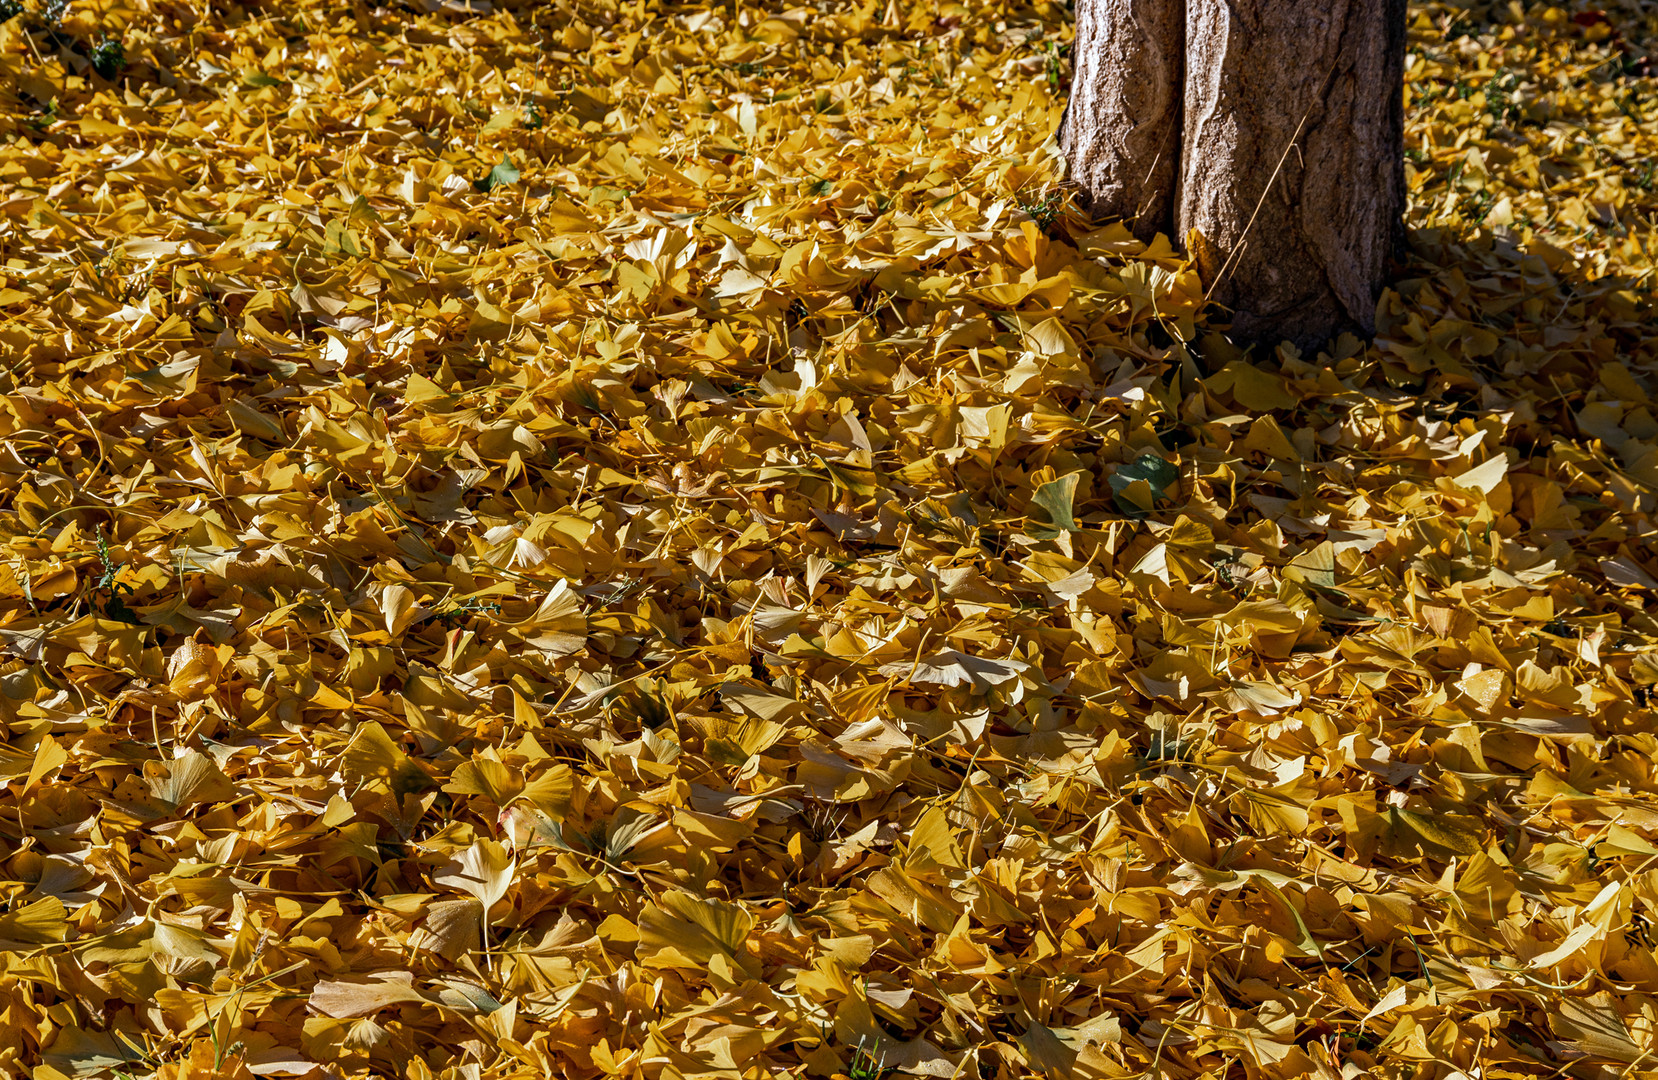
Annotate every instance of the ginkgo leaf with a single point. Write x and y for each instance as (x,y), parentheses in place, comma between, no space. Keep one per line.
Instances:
(488,777)
(1263,698)
(193,668)
(1622,841)
(734,742)
(1054,501)
(38,923)
(560,609)
(398,604)
(689,931)
(1045,1052)
(503,173)
(49,757)
(1592,1025)
(932,833)
(364,997)
(624,834)
(450,928)
(190,778)
(551,790)
(464,996)
(1485,476)
(1625,571)
(1569,947)
(372,759)
(1436,831)
(952,667)
(484,870)
(78,1052)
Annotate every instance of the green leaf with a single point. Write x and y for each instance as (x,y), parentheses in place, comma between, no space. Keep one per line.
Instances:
(502,175)
(1314,567)
(337,239)
(1054,499)
(360,211)
(1158,474)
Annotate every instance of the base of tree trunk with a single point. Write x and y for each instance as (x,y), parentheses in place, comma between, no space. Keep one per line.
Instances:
(1289,186)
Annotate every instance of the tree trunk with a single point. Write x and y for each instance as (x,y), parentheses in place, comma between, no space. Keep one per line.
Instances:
(1121,132)
(1291,166)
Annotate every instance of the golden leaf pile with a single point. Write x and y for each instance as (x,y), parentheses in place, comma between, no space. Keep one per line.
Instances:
(595,539)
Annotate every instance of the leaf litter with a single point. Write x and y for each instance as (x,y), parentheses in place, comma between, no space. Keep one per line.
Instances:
(596,539)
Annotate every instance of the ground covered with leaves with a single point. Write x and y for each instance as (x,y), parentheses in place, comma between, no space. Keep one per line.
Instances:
(594,539)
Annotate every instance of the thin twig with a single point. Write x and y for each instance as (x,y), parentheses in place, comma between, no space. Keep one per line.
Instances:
(1243,236)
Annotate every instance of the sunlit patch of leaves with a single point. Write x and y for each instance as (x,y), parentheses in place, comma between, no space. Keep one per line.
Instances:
(593,540)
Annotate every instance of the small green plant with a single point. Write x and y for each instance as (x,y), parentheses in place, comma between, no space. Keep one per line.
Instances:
(1453,177)
(534,118)
(864,1065)
(110,585)
(10,9)
(1055,64)
(44,115)
(1499,97)
(466,608)
(108,57)
(53,11)
(1043,210)
(1476,206)
(111,272)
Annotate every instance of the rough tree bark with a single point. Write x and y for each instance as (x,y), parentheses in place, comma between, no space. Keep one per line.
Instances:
(1121,132)
(1291,125)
